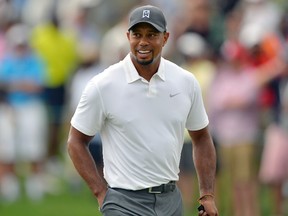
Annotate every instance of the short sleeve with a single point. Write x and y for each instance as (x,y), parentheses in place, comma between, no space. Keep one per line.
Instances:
(89,115)
(197,118)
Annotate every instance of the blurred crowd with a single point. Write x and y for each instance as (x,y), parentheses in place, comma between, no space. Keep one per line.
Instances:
(237,49)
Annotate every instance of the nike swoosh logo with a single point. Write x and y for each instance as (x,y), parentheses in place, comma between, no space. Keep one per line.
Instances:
(173,95)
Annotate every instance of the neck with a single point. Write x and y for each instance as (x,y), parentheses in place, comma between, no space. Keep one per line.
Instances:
(147,71)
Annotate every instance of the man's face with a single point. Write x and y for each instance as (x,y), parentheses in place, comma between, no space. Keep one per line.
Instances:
(146,43)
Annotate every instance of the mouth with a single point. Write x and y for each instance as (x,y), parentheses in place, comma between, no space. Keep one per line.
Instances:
(144,53)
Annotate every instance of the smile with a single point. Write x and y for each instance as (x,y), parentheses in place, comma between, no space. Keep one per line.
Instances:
(144,51)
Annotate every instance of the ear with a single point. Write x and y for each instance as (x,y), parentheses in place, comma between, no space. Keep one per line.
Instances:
(128,35)
(166,36)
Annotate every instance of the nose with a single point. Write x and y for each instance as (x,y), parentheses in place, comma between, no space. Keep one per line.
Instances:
(143,41)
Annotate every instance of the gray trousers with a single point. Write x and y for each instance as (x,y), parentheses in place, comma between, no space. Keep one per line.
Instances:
(119,202)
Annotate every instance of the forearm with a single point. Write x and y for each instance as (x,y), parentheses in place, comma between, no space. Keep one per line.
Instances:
(204,156)
(87,169)
(84,163)
(205,163)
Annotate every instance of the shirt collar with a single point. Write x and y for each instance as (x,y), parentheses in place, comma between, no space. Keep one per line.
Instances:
(132,74)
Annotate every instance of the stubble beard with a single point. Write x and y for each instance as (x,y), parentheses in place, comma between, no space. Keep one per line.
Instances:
(144,63)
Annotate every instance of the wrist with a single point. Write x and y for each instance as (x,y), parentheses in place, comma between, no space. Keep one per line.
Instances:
(205,197)
(100,190)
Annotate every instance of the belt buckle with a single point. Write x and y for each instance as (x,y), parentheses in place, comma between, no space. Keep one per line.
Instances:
(150,190)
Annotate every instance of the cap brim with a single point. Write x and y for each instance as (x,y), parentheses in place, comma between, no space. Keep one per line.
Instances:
(157,27)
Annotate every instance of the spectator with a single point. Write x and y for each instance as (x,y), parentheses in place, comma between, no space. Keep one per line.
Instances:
(23,74)
(274,163)
(58,51)
(119,46)
(196,59)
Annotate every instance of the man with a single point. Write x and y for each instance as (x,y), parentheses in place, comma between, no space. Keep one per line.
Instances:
(141,107)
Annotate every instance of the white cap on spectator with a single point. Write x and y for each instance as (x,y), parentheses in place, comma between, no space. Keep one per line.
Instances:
(18,35)
(191,44)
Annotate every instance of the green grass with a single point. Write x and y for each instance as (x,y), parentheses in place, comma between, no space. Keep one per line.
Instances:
(82,203)
(65,204)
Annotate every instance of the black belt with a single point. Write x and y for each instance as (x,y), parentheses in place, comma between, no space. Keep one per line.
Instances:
(164,188)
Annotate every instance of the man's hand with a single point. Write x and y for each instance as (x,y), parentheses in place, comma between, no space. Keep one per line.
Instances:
(101,197)
(208,207)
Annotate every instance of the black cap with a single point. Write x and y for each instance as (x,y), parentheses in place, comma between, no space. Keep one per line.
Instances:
(148,14)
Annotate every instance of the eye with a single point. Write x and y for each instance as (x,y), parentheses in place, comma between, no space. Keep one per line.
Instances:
(136,35)
(153,35)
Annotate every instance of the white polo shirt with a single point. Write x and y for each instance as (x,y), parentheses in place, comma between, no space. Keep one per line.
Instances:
(141,123)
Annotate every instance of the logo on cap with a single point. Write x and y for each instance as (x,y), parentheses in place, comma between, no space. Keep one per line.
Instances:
(146,13)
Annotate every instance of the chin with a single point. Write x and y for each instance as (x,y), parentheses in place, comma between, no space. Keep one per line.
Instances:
(145,62)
